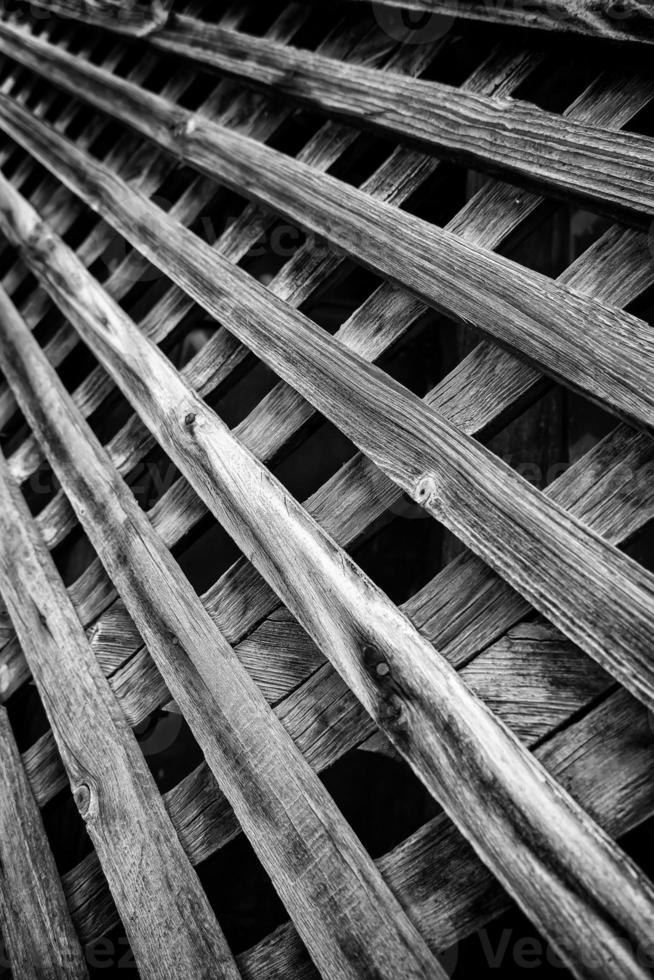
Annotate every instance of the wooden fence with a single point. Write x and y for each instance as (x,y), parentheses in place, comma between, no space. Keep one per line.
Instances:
(533,733)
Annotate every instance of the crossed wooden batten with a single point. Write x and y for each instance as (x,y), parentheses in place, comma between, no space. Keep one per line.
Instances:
(521,818)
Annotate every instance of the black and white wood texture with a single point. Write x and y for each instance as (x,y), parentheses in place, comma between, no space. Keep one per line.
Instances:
(387,664)
(292,657)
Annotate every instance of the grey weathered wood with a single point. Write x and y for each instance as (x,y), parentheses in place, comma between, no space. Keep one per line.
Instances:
(36,924)
(462,610)
(395,180)
(597,596)
(134,18)
(610,359)
(168,919)
(339,903)
(480,391)
(632,22)
(605,760)
(614,173)
(453,742)
(146,168)
(321,151)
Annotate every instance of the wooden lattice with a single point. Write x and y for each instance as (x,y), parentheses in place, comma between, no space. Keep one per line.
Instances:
(517,683)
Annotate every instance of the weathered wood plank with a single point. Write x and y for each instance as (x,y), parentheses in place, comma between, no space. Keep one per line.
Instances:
(346,916)
(480,391)
(610,359)
(36,923)
(461,611)
(321,151)
(144,166)
(168,919)
(597,596)
(605,760)
(632,22)
(137,17)
(453,742)
(570,160)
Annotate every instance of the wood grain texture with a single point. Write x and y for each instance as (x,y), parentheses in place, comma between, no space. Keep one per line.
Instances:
(134,17)
(259,120)
(416,697)
(604,353)
(479,392)
(606,757)
(618,267)
(567,158)
(605,760)
(165,912)
(36,923)
(632,22)
(599,598)
(346,916)
(395,180)
(145,167)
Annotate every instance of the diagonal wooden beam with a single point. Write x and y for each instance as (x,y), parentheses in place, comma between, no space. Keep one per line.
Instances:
(144,166)
(168,919)
(346,916)
(537,148)
(35,919)
(632,22)
(477,393)
(581,583)
(604,759)
(608,360)
(321,151)
(384,660)
(136,18)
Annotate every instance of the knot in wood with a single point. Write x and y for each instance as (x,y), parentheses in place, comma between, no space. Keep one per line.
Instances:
(375,662)
(427,491)
(82,796)
(190,419)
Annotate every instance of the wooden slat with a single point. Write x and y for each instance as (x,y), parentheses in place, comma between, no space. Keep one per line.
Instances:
(452,741)
(605,760)
(359,494)
(632,22)
(610,359)
(135,18)
(597,596)
(459,611)
(346,916)
(166,914)
(570,160)
(477,393)
(145,168)
(321,151)
(35,919)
